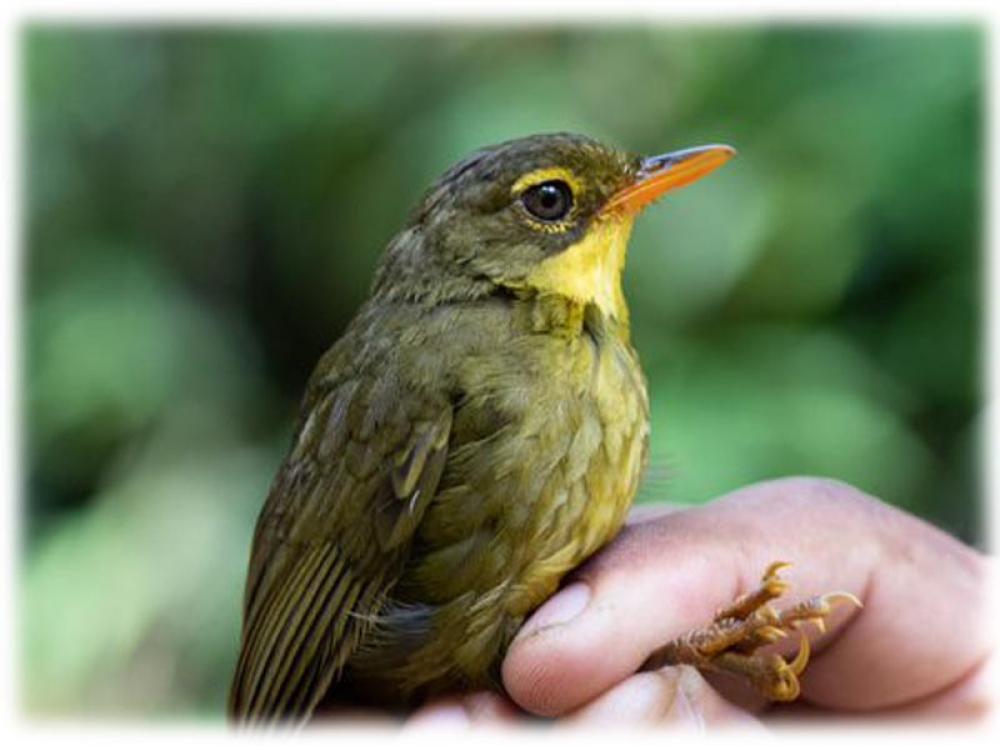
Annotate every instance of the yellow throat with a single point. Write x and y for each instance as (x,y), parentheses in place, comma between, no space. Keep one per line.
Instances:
(590,271)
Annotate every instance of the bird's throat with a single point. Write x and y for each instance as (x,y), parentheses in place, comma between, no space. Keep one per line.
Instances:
(590,270)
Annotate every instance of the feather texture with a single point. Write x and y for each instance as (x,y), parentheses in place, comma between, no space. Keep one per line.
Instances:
(478,431)
(328,544)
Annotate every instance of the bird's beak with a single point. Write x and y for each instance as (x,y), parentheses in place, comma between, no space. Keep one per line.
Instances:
(661,173)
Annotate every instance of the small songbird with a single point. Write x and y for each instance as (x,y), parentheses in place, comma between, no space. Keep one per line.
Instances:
(478,431)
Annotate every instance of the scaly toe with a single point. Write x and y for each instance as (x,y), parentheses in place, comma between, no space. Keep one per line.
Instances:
(770,634)
(768,615)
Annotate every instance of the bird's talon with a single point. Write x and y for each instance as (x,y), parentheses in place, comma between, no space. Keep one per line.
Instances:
(787,687)
(817,620)
(832,600)
(775,587)
(738,631)
(768,635)
(799,663)
(773,569)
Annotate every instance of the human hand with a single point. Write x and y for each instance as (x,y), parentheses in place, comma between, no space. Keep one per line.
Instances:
(918,648)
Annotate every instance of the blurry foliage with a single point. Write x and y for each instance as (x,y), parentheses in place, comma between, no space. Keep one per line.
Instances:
(204,209)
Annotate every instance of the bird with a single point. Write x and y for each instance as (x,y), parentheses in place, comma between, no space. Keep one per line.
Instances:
(478,431)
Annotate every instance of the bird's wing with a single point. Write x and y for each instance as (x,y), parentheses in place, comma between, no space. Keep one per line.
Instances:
(331,538)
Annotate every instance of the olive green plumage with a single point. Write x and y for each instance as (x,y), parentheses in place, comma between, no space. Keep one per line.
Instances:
(473,436)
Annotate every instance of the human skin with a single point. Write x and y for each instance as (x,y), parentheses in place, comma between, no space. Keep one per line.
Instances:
(919,647)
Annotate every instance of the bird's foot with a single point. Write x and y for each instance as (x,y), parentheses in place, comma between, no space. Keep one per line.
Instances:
(730,642)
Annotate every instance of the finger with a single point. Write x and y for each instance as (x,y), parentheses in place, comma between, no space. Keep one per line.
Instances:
(663,577)
(457,712)
(488,708)
(676,696)
(923,627)
(445,714)
(652,511)
(969,700)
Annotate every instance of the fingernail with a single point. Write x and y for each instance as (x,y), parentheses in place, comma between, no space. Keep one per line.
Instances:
(563,607)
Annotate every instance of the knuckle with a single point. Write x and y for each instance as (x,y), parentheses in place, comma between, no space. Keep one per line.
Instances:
(816,490)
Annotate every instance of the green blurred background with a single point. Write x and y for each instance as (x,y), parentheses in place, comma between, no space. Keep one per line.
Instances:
(204,209)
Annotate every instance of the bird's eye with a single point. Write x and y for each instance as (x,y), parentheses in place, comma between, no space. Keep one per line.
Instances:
(549,201)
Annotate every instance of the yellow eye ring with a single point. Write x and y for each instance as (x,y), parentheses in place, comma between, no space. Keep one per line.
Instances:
(541,175)
(547,197)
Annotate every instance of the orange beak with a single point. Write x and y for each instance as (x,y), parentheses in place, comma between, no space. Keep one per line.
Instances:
(662,173)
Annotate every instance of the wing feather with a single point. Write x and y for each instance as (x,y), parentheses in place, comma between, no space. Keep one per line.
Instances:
(308,602)
(332,538)
(275,618)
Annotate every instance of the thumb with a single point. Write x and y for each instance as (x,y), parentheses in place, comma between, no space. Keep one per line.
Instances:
(661,578)
(600,629)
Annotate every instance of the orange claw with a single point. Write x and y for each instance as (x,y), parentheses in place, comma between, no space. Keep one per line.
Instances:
(775,585)
(832,599)
(798,665)
(817,620)
(787,687)
(772,634)
(775,567)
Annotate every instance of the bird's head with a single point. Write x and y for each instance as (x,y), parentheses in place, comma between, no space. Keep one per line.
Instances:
(547,214)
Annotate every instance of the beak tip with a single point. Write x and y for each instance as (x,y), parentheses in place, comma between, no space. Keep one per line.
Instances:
(662,173)
(728,151)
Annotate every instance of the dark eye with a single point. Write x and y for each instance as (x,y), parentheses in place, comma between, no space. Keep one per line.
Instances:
(548,201)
